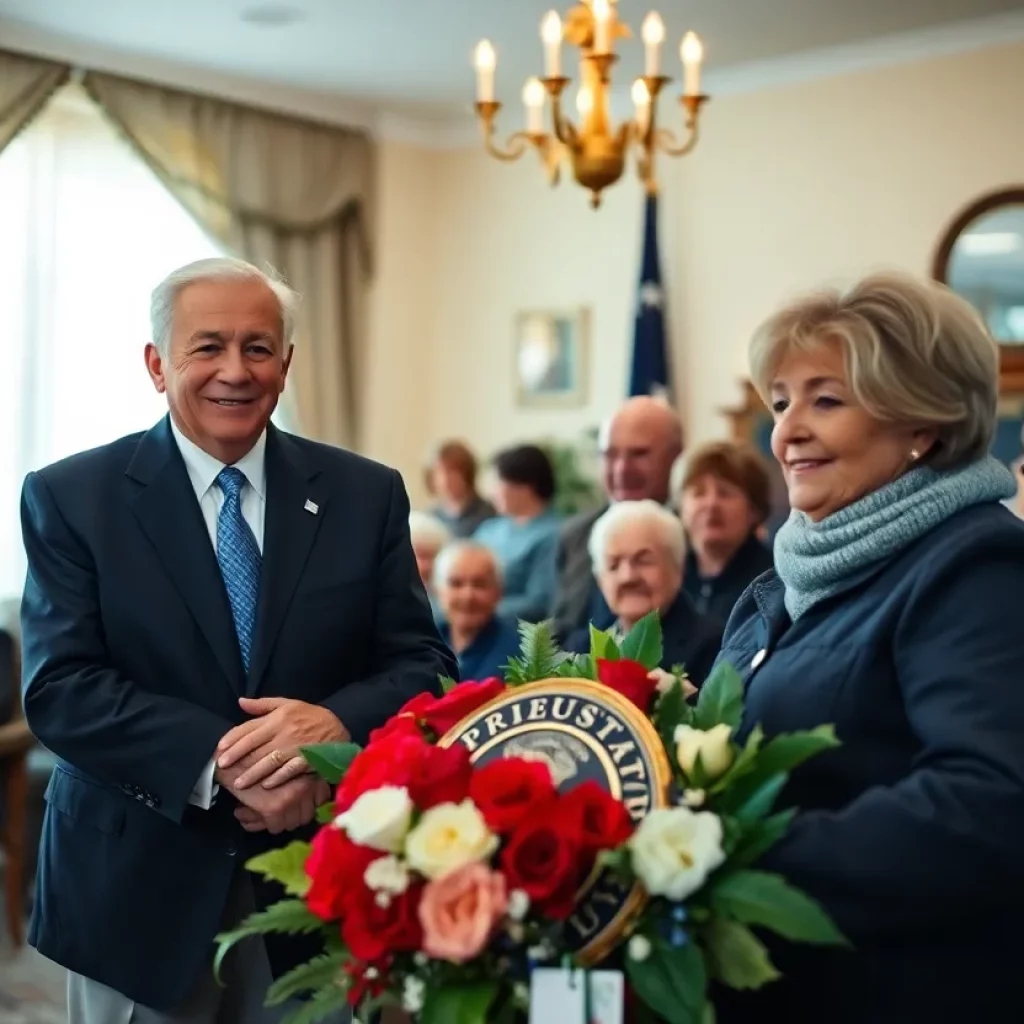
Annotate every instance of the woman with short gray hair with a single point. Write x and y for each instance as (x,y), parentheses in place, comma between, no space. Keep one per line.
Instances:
(893,612)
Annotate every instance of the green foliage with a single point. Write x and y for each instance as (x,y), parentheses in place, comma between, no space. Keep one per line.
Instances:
(330,760)
(325,814)
(745,761)
(286,866)
(447,683)
(736,957)
(574,490)
(602,646)
(323,1005)
(720,699)
(753,794)
(575,666)
(459,1004)
(671,981)
(768,900)
(287,917)
(758,837)
(539,657)
(644,642)
(671,711)
(318,973)
(787,751)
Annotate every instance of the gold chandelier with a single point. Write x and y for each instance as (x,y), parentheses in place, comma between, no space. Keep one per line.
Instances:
(597,152)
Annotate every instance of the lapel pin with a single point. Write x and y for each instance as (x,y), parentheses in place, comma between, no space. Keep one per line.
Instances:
(311,506)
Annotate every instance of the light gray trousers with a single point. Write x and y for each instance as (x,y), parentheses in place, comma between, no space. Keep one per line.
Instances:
(246,976)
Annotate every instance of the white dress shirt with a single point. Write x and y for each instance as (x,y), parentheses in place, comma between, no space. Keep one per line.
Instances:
(203,470)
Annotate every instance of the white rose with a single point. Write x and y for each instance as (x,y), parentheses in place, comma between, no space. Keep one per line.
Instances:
(712,744)
(379,818)
(447,837)
(675,849)
(387,874)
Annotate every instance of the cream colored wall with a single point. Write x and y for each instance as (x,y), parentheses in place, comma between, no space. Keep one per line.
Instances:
(809,185)
(789,188)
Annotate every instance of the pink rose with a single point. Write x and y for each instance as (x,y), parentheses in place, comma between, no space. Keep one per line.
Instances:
(459,912)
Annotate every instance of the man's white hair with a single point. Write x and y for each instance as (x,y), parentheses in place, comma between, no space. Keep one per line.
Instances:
(448,555)
(625,513)
(428,530)
(219,268)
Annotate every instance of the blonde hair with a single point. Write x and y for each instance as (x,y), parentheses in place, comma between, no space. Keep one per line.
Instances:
(915,354)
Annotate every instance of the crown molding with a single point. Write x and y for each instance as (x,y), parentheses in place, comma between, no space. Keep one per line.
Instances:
(458,130)
(868,55)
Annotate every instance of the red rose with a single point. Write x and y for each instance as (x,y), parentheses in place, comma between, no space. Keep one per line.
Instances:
(442,713)
(442,776)
(371,931)
(543,860)
(509,789)
(628,678)
(400,724)
(599,821)
(336,867)
(392,761)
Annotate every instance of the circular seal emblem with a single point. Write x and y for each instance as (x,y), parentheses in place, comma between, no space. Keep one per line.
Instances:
(581,730)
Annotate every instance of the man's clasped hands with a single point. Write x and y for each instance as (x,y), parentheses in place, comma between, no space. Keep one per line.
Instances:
(259,762)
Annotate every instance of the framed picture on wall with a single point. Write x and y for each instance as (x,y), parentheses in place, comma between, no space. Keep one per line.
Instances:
(549,358)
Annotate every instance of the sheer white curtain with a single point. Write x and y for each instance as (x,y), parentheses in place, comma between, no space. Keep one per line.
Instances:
(86,231)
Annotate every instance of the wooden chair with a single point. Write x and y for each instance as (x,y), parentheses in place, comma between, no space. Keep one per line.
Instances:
(15,743)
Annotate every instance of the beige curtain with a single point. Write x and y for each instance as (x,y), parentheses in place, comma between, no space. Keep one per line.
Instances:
(277,190)
(26,83)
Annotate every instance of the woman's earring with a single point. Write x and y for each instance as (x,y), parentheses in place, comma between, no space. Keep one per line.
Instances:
(914,455)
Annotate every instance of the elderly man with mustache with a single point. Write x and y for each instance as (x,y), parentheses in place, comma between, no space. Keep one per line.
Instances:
(638,551)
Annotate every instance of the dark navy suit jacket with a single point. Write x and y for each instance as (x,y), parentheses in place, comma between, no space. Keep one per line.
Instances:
(912,832)
(132,675)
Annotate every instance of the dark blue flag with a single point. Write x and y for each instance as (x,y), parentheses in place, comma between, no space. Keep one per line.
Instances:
(650,373)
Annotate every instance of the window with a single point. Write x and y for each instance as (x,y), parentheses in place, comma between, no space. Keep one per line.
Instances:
(87,231)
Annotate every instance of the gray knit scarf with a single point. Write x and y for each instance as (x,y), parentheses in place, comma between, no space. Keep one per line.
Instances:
(818,560)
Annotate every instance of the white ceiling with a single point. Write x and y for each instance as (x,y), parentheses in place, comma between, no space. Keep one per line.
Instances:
(417,53)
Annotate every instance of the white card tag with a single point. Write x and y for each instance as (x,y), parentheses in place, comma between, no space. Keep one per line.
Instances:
(557,996)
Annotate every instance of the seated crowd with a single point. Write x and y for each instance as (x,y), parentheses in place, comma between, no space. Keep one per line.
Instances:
(682,535)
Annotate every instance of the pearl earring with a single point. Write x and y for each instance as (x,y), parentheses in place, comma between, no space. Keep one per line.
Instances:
(914,455)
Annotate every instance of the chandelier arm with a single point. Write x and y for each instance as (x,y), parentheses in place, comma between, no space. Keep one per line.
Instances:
(565,130)
(665,141)
(514,148)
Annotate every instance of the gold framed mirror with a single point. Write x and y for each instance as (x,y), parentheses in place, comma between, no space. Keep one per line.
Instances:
(981,257)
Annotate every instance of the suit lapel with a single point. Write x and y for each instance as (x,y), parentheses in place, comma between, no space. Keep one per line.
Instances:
(169,513)
(295,507)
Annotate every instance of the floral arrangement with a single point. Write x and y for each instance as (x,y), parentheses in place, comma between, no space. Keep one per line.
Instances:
(439,885)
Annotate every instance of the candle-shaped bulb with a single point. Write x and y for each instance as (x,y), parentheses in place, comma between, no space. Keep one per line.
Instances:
(551,35)
(692,53)
(642,101)
(584,101)
(602,11)
(484,56)
(485,59)
(533,99)
(653,33)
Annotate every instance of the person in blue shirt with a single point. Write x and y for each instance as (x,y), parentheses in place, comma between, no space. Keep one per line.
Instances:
(524,536)
(468,583)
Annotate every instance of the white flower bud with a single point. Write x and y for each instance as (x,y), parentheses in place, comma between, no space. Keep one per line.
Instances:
(518,904)
(639,948)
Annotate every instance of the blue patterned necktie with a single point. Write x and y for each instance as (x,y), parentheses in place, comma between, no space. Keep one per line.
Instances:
(239,558)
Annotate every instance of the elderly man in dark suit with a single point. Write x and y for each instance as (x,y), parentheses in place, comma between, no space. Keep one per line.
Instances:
(638,444)
(202,600)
